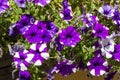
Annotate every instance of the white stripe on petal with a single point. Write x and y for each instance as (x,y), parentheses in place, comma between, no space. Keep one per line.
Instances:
(48,1)
(74,70)
(105,63)
(45,55)
(88,64)
(108,55)
(33,47)
(42,47)
(102,72)
(92,71)
(17,55)
(38,63)
(69,62)
(25,51)
(29,57)
(100,10)
(23,67)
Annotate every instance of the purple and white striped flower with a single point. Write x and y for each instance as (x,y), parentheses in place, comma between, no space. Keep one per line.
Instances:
(4,5)
(89,20)
(22,59)
(100,31)
(21,3)
(26,20)
(66,13)
(40,53)
(66,67)
(97,66)
(41,3)
(106,10)
(69,36)
(107,47)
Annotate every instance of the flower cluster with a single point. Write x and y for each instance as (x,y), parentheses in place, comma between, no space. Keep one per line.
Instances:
(71,50)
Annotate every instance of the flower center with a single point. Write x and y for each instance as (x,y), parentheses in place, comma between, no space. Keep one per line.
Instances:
(96,64)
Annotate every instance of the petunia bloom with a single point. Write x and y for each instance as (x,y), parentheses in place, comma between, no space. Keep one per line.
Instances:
(41,3)
(59,46)
(4,5)
(100,31)
(21,3)
(33,34)
(65,68)
(89,20)
(26,20)
(40,53)
(97,66)
(22,59)
(66,13)
(106,10)
(69,36)
(107,47)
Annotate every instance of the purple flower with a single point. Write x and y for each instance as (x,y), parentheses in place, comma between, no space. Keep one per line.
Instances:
(41,3)
(89,20)
(45,36)
(66,67)
(59,46)
(69,36)
(21,3)
(16,48)
(66,13)
(33,34)
(13,31)
(100,31)
(22,59)
(41,25)
(107,47)
(97,66)
(106,10)
(116,53)
(116,17)
(49,26)
(40,53)
(24,75)
(24,23)
(4,5)
(65,3)
(52,28)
